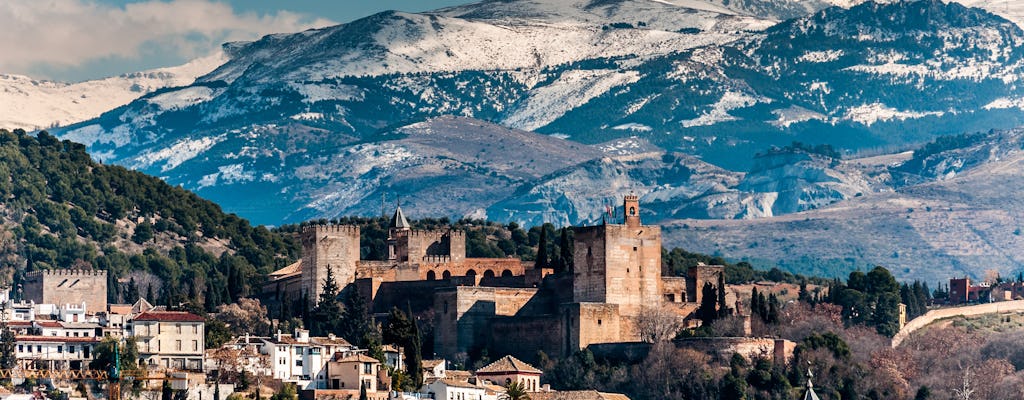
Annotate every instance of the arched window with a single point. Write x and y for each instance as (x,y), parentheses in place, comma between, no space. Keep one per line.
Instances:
(632,211)
(506,274)
(471,273)
(431,275)
(488,274)
(446,275)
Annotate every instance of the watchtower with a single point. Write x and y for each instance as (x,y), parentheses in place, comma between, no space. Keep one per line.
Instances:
(619,264)
(323,246)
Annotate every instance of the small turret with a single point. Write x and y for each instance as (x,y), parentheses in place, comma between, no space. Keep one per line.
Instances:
(631,210)
(398,221)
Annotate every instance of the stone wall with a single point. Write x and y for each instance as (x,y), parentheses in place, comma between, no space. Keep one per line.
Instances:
(698,276)
(442,246)
(64,286)
(589,264)
(462,315)
(589,323)
(673,289)
(618,264)
(523,337)
(931,316)
(336,246)
(779,350)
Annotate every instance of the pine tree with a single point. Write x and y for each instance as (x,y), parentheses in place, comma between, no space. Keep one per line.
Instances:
(7,342)
(356,326)
(326,316)
(754,305)
(414,355)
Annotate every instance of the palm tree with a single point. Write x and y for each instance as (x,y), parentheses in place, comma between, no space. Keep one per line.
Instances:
(515,391)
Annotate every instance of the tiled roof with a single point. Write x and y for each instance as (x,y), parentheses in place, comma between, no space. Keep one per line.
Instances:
(337,341)
(57,339)
(431,363)
(169,316)
(508,364)
(459,384)
(49,324)
(577,395)
(359,358)
(294,268)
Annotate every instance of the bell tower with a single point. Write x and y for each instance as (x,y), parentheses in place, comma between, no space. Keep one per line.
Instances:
(631,210)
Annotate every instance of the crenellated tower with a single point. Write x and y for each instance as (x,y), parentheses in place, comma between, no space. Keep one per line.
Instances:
(323,246)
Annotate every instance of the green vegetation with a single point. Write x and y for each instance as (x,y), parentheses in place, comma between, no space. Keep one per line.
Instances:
(869,299)
(677,261)
(63,210)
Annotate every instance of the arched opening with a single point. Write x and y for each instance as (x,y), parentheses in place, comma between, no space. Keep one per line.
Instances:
(471,273)
(506,274)
(488,274)
(446,275)
(431,275)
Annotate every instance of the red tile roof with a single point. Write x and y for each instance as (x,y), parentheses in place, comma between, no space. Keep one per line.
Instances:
(508,365)
(169,316)
(49,324)
(57,339)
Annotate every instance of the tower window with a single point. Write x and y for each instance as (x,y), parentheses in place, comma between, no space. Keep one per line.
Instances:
(632,211)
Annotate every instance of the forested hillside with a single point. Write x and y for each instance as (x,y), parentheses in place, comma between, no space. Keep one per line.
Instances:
(59,209)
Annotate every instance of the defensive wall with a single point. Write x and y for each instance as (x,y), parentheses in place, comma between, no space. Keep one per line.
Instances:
(68,286)
(937,314)
(722,348)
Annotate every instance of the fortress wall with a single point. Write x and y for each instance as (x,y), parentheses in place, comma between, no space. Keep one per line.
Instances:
(933,315)
(65,286)
(336,246)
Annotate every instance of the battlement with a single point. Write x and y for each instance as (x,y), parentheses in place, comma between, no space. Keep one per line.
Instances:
(631,197)
(439,259)
(70,273)
(435,233)
(332,228)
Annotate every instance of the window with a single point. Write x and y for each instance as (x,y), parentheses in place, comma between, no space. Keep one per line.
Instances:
(298,351)
(298,363)
(367,368)
(282,361)
(178,326)
(195,345)
(76,334)
(195,329)
(39,348)
(21,348)
(60,349)
(71,349)
(54,333)
(177,345)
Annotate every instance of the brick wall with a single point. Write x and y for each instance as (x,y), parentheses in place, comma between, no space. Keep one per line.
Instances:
(63,286)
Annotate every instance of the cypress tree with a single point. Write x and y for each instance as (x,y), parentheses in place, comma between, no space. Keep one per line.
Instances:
(754,305)
(542,248)
(566,249)
(723,308)
(414,355)
(707,312)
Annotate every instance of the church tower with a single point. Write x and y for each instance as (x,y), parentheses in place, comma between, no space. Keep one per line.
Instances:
(631,210)
(398,236)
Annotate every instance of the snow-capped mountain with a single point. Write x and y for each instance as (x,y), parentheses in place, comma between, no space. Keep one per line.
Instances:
(32,104)
(311,122)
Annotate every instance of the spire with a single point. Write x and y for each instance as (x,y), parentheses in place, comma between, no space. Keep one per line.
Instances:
(810,395)
(398,221)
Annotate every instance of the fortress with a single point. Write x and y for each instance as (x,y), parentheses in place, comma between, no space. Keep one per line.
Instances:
(504,304)
(63,286)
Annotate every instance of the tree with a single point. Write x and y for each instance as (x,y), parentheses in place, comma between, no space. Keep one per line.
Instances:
(657,324)
(104,355)
(398,329)
(707,312)
(326,317)
(244,316)
(723,308)
(7,343)
(362,392)
(355,325)
(166,393)
(565,247)
(515,391)
(542,248)
(414,355)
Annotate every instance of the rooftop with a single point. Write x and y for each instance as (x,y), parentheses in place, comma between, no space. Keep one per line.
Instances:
(577,395)
(169,316)
(508,364)
(359,358)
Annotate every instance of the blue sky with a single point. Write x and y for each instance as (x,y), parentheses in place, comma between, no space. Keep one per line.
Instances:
(75,40)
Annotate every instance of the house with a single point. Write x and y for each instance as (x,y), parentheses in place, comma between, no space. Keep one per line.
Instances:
(353,372)
(54,352)
(301,359)
(509,369)
(451,389)
(577,395)
(393,357)
(433,369)
(170,339)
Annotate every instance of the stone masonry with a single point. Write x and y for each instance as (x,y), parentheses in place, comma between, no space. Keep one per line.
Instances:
(68,287)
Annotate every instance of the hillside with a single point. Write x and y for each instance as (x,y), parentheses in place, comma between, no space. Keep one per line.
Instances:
(60,209)
(33,104)
(961,216)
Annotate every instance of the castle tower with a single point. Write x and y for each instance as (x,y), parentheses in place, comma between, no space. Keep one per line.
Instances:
(631,210)
(398,236)
(323,246)
(619,264)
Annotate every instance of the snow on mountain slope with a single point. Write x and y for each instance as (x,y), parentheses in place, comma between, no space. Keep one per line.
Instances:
(36,104)
(492,35)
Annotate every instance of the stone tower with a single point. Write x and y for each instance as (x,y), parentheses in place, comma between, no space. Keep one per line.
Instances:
(323,246)
(619,264)
(419,246)
(68,286)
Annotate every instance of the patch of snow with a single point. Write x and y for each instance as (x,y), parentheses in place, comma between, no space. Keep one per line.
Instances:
(94,134)
(820,56)
(869,114)
(1003,103)
(177,153)
(571,90)
(793,115)
(307,116)
(314,92)
(719,111)
(226,175)
(632,127)
(181,98)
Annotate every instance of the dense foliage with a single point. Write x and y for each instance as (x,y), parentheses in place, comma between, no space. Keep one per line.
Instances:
(64,210)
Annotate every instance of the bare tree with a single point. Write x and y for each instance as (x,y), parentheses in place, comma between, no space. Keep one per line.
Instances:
(658,324)
(966,390)
(245,316)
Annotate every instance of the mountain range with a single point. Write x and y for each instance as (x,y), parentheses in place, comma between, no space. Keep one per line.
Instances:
(545,110)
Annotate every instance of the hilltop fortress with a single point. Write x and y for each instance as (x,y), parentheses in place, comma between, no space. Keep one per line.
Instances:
(503,304)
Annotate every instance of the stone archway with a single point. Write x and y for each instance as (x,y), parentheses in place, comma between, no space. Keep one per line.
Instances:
(488,274)
(471,273)
(431,275)
(446,275)
(506,274)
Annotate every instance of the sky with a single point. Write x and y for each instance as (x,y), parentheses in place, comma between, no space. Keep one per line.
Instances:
(77,40)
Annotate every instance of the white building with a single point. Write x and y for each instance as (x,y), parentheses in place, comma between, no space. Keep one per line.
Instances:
(170,339)
(450,389)
(302,359)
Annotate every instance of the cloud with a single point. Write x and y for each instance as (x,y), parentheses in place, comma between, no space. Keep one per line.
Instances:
(63,34)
